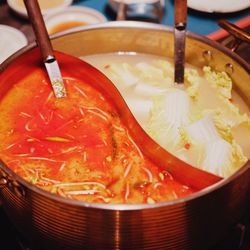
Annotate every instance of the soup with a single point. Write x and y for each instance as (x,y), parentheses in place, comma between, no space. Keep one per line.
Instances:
(77,147)
(206,124)
(44,4)
(66,25)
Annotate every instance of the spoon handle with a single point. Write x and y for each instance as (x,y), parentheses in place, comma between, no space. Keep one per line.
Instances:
(180,16)
(40,30)
(180,19)
(45,46)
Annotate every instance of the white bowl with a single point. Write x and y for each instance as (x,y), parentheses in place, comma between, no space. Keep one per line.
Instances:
(72,17)
(18,7)
(220,6)
(11,40)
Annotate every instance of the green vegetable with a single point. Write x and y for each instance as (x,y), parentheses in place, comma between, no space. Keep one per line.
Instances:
(33,179)
(220,80)
(170,112)
(57,139)
(203,130)
(125,73)
(218,158)
(194,81)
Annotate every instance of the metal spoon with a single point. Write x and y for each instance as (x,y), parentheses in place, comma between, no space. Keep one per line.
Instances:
(180,21)
(35,15)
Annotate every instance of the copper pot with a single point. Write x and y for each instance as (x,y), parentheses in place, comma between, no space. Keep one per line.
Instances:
(195,222)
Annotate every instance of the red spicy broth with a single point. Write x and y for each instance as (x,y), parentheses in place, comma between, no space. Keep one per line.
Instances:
(77,147)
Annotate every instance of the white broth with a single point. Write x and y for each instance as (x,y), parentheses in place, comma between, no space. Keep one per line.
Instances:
(205,124)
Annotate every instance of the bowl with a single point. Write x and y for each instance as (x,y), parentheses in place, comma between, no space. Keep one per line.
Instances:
(47,6)
(72,17)
(220,6)
(11,40)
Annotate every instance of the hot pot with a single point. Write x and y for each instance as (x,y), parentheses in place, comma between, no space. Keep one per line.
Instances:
(195,222)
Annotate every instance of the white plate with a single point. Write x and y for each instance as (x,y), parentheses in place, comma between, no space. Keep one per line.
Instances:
(47,6)
(134,1)
(73,14)
(221,6)
(11,40)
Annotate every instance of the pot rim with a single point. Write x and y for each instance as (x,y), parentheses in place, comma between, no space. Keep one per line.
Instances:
(128,207)
(132,25)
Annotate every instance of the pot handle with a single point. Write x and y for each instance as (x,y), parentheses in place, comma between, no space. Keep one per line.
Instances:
(7,181)
(239,34)
(3,184)
(3,178)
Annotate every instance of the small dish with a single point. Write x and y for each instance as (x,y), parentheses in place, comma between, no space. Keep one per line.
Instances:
(220,6)
(72,17)
(47,6)
(11,40)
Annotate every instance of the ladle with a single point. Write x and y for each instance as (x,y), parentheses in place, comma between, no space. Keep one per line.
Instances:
(45,46)
(76,68)
(180,22)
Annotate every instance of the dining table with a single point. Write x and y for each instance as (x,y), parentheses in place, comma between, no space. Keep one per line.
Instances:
(202,23)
